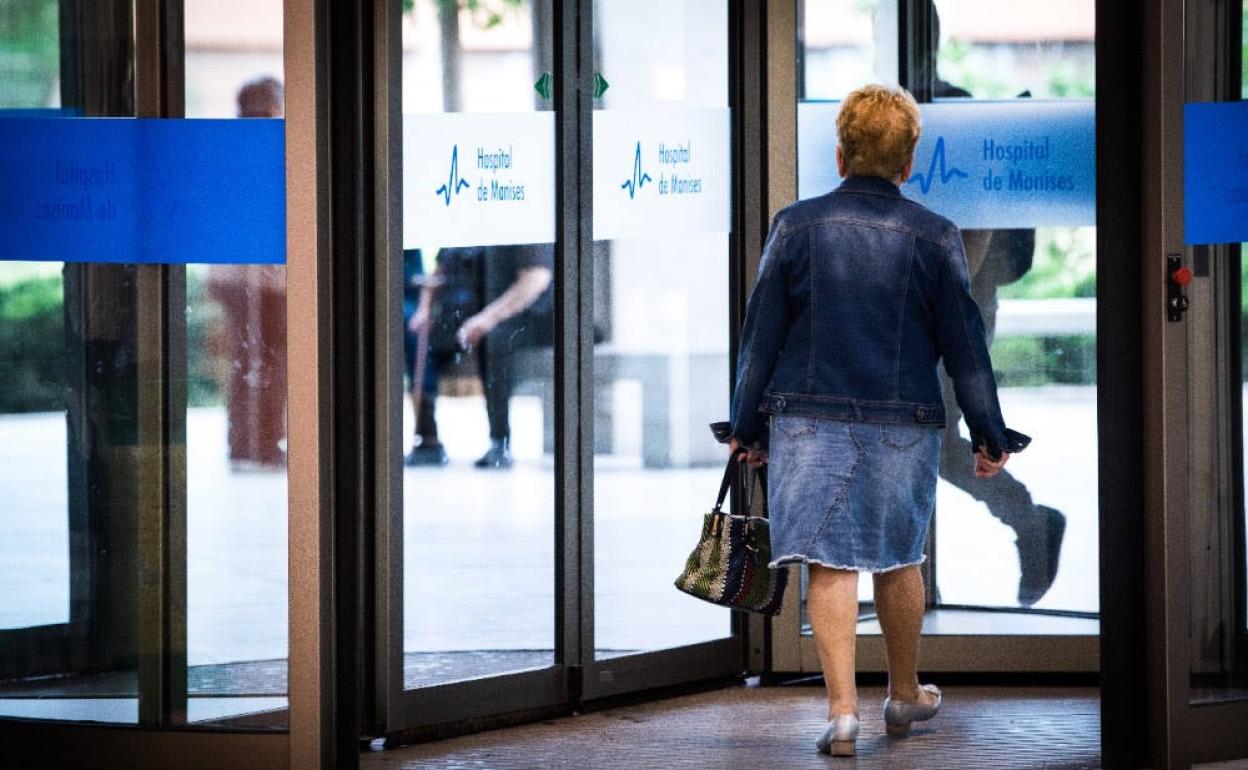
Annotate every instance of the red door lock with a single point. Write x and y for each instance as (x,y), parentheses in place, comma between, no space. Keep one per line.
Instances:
(1179,276)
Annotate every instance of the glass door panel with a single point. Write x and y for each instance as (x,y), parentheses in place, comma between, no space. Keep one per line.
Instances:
(478,329)
(236,503)
(1034,526)
(661,128)
(69,564)
(34,523)
(97,338)
(496,594)
(1027,540)
(1200,687)
(1214,330)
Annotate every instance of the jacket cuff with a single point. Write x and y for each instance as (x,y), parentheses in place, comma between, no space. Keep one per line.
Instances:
(755,432)
(1008,440)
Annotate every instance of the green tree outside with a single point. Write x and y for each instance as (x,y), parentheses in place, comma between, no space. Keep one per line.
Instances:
(29,53)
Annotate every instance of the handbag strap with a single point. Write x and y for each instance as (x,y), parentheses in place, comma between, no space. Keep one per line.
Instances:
(756,478)
(733,466)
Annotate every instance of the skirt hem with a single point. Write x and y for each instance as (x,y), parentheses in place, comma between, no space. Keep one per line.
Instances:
(797,558)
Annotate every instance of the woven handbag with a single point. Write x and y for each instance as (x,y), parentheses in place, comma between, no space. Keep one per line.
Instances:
(729,565)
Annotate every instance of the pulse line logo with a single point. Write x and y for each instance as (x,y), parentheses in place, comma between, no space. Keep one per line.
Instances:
(639,177)
(938,162)
(454,183)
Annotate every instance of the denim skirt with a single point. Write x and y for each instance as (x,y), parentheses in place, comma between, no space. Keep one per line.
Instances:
(851,495)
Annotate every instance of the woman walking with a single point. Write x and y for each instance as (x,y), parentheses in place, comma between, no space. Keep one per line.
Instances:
(861,292)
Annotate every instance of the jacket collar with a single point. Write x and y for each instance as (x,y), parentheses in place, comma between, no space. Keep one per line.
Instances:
(870,184)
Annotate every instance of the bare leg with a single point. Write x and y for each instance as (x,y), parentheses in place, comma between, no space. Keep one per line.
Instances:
(833,606)
(900,602)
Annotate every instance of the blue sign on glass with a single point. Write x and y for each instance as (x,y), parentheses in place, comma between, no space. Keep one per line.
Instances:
(142,190)
(1215,173)
(1019,163)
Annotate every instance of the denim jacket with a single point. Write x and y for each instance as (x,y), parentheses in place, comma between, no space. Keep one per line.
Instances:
(861,292)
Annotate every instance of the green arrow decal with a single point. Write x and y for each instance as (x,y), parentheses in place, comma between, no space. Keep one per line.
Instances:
(542,86)
(600,85)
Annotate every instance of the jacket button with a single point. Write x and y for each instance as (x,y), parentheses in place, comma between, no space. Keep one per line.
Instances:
(780,404)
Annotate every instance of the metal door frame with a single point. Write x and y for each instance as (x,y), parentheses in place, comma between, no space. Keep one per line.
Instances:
(403,715)
(724,658)
(1181,58)
(576,677)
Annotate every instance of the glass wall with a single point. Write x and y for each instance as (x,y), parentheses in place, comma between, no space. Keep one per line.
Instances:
(1216,322)
(142,541)
(236,401)
(63,567)
(1037,289)
(34,532)
(1027,538)
(478,328)
(661,266)
(844,44)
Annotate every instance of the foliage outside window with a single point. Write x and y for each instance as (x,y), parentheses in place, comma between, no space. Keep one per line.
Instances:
(29,53)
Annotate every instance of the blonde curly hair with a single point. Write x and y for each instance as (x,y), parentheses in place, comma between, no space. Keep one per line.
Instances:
(878,128)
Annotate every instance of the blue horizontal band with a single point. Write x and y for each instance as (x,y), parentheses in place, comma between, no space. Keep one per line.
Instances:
(1215,173)
(147,191)
(1019,163)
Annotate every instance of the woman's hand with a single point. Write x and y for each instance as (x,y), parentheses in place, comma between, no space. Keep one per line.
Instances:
(755,458)
(985,466)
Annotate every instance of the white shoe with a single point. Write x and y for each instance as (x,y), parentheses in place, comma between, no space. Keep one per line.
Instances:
(839,737)
(899,715)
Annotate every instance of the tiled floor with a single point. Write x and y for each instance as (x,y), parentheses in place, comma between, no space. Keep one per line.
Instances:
(754,728)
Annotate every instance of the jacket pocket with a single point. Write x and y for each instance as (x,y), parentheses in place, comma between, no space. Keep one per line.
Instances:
(902,436)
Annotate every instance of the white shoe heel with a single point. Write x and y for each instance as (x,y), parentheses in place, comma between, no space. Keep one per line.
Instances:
(900,715)
(841,736)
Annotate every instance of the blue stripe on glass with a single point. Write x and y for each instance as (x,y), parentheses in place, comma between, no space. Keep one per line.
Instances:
(145,191)
(984,164)
(1215,173)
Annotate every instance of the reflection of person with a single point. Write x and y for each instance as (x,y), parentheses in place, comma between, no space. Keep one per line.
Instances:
(253,301)
(860,293)
(422,372)
(496,300)
(996,258)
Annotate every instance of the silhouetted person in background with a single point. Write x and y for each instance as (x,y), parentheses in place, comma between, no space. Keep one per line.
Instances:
(996,258)
(253,301)
(422,369)
(496,301)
